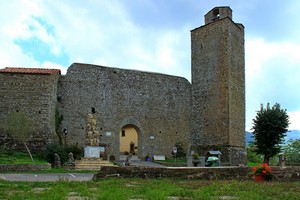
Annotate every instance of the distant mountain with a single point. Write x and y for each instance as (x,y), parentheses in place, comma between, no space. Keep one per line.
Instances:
(293,134)
(249,137)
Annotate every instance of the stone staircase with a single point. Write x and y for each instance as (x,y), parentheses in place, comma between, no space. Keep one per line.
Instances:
(91,163)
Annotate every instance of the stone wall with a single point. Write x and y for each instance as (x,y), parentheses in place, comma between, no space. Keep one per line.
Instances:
(34,94)
(156,105)
(218,90)
(23,167)
(199,173)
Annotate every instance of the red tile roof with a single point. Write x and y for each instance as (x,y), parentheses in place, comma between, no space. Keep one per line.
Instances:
(30,70)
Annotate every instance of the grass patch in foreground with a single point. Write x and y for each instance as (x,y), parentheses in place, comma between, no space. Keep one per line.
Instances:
(150,189)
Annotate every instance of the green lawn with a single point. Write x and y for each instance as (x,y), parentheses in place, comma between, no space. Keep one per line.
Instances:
(19,158)
(150,189)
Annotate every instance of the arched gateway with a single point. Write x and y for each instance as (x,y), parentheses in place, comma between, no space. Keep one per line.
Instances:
(130,139)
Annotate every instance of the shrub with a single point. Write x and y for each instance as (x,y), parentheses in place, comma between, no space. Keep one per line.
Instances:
(76,150)
(112,158)
(63,152)
(55,148)
(180,150)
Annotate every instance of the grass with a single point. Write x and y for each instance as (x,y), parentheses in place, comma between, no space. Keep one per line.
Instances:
(18,158)
(150,189)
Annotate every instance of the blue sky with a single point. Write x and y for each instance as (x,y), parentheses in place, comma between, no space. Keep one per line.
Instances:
(154,35)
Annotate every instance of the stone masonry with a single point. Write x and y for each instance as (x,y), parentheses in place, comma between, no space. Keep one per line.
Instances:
(218,87)
(34,92)
(207,114)
(157,105)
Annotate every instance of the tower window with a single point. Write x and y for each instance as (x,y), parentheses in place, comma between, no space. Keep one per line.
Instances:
(216,15)
(123,133)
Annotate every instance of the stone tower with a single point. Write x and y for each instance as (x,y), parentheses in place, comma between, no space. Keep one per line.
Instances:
(218,87)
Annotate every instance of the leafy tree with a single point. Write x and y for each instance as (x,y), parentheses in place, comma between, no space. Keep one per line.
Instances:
(292,151)
(20,127)
(270,126)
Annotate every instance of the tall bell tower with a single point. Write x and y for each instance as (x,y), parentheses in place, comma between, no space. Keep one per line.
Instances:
(218,87)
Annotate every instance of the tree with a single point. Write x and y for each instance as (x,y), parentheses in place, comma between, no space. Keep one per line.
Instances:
(20,127)
(292,151)
(270,126)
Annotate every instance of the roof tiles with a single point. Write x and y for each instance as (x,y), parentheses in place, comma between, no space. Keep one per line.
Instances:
(30,71)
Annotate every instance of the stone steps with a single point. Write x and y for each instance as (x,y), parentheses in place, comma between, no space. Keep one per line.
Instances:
(91,163)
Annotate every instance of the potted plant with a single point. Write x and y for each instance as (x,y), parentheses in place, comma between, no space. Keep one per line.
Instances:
(262,172)
(196,159)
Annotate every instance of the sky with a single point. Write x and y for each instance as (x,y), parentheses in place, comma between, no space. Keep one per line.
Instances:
(154,35)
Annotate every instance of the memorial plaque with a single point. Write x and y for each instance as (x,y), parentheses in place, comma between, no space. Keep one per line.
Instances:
(92,151)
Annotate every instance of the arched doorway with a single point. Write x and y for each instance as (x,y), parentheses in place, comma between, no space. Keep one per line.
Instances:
(129,140)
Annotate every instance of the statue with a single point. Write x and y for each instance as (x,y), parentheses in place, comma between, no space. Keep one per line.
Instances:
(57,161)
(71,158)
(92,135)
(128,161)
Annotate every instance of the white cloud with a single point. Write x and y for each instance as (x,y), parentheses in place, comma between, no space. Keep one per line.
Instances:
(272,75)
(50,65)
(294,120)
(103,34)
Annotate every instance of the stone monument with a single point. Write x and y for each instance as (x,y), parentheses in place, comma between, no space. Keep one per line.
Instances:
(92,149)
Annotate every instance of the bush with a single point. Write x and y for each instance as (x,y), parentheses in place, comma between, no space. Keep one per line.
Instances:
(292,152)
(76,150)
(180,150)
(63,152)
(55,148)
(112,158)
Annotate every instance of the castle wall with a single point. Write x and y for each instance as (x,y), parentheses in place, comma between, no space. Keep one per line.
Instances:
(34,94)
(158,105)
(208,114)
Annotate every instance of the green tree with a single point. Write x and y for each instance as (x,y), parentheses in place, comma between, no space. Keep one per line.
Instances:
(270,126)
(20,127)
(292,151)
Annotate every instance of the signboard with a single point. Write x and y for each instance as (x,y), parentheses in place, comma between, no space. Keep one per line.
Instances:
(175,150)
(159,157)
